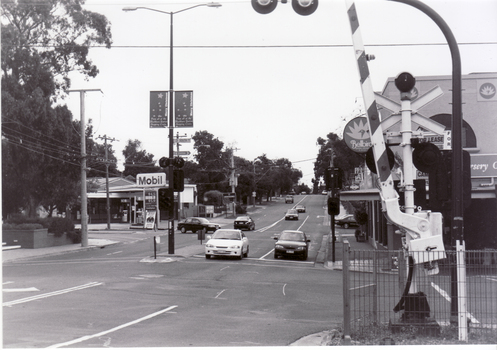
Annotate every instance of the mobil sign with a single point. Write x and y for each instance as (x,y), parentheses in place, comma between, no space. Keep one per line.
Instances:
(151,180)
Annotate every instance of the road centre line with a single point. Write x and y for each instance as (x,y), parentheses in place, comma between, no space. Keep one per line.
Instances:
(218,294)
(87,337)
(46,295)
(268,227)
(303,223)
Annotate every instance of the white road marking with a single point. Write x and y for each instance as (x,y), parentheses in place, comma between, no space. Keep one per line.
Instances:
(262,257)
(303,223)
(8,282)
(87,337)
(115,252)
(284,289)
(227,267)
(46,295)
(268,227)
(13,290)
(218,294)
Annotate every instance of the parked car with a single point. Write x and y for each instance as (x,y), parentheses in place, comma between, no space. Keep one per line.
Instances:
(197,224)
(226,242)
(292,243)
(292,214)
(346,221)
(244,222)
(289,199)
(324,193)
(300,208)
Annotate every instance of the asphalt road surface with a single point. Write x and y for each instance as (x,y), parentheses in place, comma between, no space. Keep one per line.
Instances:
(109,298)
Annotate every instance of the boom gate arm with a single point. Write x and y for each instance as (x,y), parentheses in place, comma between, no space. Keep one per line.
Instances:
(423,229)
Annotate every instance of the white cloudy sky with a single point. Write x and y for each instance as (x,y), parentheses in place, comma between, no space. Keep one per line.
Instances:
(268,83)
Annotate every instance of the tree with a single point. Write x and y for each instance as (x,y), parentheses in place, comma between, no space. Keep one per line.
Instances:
(42,41)
(54,34)
(343,158)
(137,160)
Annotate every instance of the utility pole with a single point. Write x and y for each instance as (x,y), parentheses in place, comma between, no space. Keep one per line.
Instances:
(84,199)
(233,177)
(105,138)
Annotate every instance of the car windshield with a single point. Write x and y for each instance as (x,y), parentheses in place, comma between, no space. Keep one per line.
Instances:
(292,211)
(242,218)
(203,221)
(225,234)
(292,236)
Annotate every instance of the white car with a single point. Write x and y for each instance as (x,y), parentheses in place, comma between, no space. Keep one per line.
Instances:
(225,242)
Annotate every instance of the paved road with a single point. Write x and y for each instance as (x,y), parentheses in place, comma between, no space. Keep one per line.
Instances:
(110,297)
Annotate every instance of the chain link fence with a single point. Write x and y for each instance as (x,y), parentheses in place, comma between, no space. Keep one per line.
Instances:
(385,293)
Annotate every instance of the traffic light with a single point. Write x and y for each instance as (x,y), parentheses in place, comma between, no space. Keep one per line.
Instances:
(166,202)
(164,162)
(333,178)
(178,162)
(333,206)
(178,180)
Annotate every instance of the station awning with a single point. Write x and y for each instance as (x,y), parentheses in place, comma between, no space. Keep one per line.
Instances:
(370,194)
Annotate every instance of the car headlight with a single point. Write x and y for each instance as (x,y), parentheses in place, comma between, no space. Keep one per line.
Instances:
(300,248)
(208,245)
(235,247)
(278,246)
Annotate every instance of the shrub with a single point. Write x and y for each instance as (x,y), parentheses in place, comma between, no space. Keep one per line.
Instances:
(21,226)
(75,236)
(57,226)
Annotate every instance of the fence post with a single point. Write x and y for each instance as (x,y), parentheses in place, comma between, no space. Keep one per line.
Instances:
(461,290)
(346,293)
(375,286)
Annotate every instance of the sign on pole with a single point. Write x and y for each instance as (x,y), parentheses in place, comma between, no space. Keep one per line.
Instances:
(158,109)
(357,136)
(183,107)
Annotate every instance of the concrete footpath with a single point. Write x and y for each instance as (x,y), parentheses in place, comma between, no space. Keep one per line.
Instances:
(121,233)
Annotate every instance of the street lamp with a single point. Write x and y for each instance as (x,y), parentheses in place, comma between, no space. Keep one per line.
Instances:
(171,98)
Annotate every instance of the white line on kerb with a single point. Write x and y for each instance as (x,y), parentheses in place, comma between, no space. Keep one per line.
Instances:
(79,340)
(46,295)
(448,298)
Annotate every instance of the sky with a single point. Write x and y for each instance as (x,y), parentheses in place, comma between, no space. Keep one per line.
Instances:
(267,84)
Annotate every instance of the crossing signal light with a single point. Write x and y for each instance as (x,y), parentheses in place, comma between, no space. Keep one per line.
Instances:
(166,202)
(264,6)
(302,7)
(426,156)
(405,82)
(178,180)
(305,7)
(371,163)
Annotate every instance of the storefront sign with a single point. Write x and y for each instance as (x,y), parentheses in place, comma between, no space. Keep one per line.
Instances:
(356,135)
(151,180)
(484,165)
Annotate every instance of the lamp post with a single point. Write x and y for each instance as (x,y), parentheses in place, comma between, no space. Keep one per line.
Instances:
(171,98)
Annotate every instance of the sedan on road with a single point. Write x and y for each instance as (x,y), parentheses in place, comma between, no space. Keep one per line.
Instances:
(346,221)
(292,214)
(197,224)
(291,243)
(244,222)
(227,242)
(300,208)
